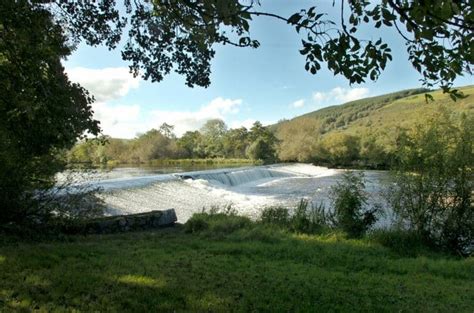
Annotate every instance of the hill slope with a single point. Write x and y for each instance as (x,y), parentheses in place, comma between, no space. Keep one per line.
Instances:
(369,123)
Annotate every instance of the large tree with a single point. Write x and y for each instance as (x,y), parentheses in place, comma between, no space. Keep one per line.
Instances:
(181,34)
(41,111)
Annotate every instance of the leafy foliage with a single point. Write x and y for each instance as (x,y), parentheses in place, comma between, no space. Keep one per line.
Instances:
(350,205)
(305,218)
(435,180)
(180,35)
(216,222)
(214,140)
(42,112)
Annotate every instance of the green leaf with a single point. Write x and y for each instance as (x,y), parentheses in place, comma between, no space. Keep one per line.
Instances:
(294,19)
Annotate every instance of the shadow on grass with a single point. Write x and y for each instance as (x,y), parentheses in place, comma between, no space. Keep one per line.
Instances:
(249,269)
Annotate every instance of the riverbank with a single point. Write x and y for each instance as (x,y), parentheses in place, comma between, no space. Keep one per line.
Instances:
(169,162)
(230,268)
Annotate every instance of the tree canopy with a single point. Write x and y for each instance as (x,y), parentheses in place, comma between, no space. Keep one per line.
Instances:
(41,111)
(180,35)
(213,140)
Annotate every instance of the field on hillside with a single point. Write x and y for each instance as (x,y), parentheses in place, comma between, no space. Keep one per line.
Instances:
(262,270)
(366,128)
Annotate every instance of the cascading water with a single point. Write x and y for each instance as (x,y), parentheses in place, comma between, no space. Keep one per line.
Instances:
(237,177)
(247,189)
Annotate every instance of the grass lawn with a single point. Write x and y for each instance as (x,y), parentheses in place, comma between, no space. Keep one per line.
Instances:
(252,270)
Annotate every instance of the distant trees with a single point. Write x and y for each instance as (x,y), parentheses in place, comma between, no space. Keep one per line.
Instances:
(213,140)
(263,144)
(236,142)
(262,149)
(213,132)
(339,149)
(367,136)
(303,141)
(190,142)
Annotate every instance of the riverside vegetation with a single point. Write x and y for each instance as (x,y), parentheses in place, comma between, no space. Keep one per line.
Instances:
(221,262)
(288,260)
(361,134)
(431,159)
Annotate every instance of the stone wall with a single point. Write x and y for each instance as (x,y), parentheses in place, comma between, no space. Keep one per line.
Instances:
(131,222)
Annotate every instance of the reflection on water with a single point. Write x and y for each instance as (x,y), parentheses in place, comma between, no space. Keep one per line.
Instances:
(248,189)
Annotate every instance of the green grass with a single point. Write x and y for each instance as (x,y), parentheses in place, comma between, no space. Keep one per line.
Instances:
(225,268)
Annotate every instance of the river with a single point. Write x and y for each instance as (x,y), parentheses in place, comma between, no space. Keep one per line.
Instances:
(247,189)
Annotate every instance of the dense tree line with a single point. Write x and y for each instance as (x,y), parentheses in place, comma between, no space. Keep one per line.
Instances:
(213,140)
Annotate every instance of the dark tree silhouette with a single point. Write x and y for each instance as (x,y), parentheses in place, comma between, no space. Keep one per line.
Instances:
(180,35)
(41,111)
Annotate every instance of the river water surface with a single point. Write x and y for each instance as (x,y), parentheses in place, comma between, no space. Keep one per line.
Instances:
(248,189)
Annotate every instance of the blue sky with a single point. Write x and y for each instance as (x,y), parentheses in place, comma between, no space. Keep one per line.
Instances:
(265,84)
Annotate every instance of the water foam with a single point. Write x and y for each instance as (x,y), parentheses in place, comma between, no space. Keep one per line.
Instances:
(247,189)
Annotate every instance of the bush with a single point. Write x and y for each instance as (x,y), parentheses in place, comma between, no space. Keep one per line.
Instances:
(275,215)
(216,222)
(197,223)
(300,220)
(403,242)
(350,205)
(268,233)
(434,179)
(306,218)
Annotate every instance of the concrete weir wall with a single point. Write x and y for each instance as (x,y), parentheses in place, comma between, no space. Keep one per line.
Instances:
(131,222)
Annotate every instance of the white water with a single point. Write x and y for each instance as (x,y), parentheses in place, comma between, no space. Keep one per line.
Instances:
(247,189)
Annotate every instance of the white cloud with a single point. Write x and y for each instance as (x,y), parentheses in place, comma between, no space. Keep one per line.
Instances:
(105,84)
(121,121)
(247,123)
(319,96)
(191,120)
(126,121)
(340,95)
(298,103)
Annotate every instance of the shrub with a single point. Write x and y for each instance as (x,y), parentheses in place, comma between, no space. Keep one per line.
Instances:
(350,205)
(306,218)
(403,242)
(434,179)
(275,215)
(216,222)
(268,233)
(196,223)
(300,220)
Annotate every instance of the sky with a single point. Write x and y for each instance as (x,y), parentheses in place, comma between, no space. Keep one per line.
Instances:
(265,84)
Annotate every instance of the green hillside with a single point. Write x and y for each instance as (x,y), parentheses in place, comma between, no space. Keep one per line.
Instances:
(363,129)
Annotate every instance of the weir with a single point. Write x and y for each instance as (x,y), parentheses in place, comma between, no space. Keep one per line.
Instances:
(247,189)
(237,177)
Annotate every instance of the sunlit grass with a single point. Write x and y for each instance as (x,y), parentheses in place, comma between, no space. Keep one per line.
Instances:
(252,269)
(141,281)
